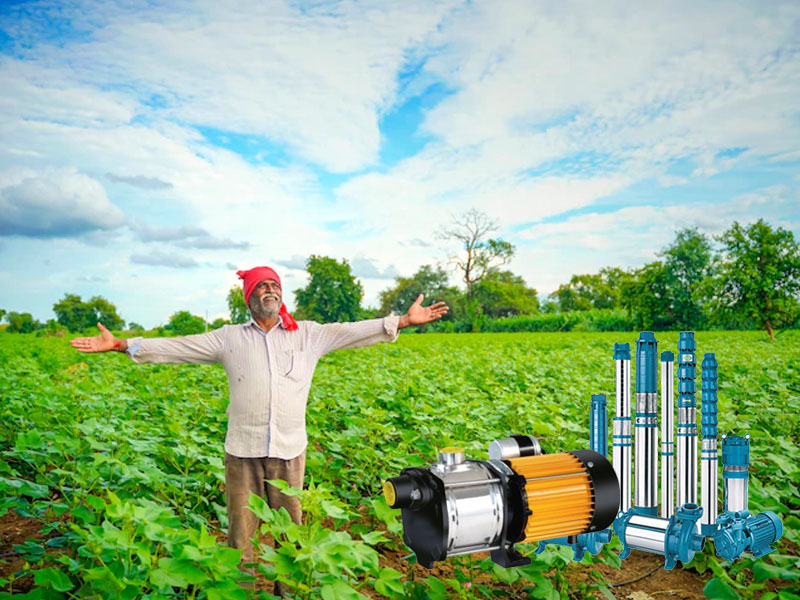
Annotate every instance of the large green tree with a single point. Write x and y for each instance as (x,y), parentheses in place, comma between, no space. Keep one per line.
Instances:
(76,315)
(332,293)
(504,294)
(645,295)
(591,290)
(185,323)
(236,305)
(687,262)
(22,322)
(666,294)
(105,313)
(428,280)
(758,277)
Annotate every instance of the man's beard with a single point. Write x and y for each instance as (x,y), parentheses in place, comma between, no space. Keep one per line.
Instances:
(261,312)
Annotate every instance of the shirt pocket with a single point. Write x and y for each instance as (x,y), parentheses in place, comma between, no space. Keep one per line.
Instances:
(291,364)
(284,362)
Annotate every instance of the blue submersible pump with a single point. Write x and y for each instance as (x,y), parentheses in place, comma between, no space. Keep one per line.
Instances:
(645,449)
(622,423)
(709,471)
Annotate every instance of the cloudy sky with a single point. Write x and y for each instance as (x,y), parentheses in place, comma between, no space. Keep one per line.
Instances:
(149,149)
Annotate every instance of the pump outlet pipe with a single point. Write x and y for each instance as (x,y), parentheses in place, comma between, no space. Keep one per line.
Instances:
(709,472)
(667,434)
(686,455)
(622,423)
(646,425)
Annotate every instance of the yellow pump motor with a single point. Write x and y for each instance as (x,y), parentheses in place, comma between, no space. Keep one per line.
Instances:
(519,495)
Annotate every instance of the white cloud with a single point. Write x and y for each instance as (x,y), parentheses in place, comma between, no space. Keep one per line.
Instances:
(366,268)
(186,237)
(296,263)
(55,203)
(165,259)
(313,79)
(140,181)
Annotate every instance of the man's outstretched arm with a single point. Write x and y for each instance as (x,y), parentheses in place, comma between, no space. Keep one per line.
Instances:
(337,336)
(202,348)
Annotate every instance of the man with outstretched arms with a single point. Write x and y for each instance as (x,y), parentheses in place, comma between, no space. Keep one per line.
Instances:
(270,362)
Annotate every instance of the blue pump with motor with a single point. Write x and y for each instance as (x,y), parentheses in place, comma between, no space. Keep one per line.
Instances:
(737,530)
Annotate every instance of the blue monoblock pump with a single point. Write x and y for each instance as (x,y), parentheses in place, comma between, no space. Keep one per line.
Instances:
(740,532)
(677,538)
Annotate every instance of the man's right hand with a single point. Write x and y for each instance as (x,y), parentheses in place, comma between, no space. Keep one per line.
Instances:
(99,343)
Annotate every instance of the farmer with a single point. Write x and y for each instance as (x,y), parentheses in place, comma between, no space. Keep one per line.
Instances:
(270,362)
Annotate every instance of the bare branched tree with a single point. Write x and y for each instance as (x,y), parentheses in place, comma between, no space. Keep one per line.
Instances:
(479,256)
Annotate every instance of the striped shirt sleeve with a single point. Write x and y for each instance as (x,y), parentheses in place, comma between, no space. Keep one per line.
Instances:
(338,336)
(203,348)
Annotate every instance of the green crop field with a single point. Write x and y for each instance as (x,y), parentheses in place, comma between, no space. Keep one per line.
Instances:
(116,470)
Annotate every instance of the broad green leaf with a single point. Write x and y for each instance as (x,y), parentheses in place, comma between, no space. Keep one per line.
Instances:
(763,570)
(339,590)
(718,589)
(389,582)
(53,578)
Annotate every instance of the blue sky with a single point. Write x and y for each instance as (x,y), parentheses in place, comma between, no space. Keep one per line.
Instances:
(150,151)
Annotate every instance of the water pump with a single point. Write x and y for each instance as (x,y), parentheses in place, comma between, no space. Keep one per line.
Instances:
(460,506)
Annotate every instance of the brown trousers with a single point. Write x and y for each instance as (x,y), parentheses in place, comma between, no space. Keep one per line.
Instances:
(245,475)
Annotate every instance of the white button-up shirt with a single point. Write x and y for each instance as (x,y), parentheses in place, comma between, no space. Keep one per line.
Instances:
(269,374)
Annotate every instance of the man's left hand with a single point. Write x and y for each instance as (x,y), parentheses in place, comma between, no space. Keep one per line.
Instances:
(419,315)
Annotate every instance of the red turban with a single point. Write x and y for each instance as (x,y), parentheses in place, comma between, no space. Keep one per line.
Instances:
(255,276)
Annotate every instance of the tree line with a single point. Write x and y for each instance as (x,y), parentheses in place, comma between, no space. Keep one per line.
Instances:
(746,278)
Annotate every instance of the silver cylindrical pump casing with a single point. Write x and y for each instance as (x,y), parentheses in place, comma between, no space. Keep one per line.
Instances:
(646,533)
(709,482)
(667,434)
(686,454)
(622,431)
(646,455)
(474,499)
(736,492)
